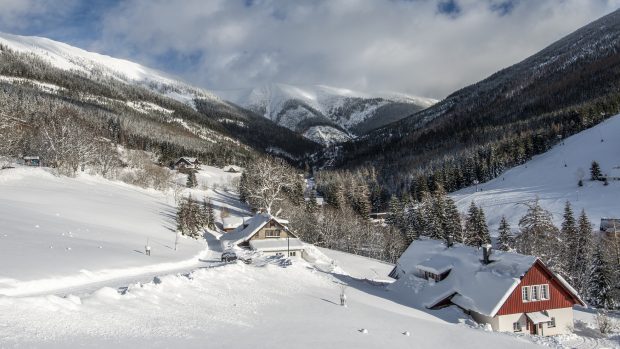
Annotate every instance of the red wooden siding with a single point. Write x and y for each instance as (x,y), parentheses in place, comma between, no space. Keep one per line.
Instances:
(537,275)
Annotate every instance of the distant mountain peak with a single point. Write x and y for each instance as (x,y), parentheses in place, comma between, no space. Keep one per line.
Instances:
(325,114)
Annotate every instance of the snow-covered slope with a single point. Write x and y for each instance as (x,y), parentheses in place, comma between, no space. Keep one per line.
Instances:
(66,57)
(60,232)
(299,108)
(552,177)
(238,306)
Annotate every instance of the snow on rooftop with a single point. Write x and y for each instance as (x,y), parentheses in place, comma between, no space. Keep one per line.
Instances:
(476,286)
(251,226)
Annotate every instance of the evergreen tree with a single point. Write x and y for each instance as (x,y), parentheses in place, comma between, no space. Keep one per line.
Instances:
(470,225)
(581,249)
(437,219)
(476,228)
(570,241)
(311,205)
(191,179)
(394,215)
(595,171)
(189,217)
(601,281)
(452,226)
(210,215)
(484,237)
(505,239)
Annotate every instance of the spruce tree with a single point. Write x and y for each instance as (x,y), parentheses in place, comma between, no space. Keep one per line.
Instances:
(437,220)
(470,225)
(601,281)
(581,249)
(191,179)
(452,226)
(570,241)
(210,215)
(311,205)
(476,228)
(505,239)
(395,213)
(595,171)
(482,228)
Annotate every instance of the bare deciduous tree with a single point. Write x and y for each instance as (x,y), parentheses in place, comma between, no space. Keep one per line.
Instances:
(265,182)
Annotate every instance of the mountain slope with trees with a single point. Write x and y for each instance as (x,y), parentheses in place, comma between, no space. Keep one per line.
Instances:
(133,105)
(479,131)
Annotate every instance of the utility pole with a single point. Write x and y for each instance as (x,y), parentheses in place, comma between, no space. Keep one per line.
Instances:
(176,240)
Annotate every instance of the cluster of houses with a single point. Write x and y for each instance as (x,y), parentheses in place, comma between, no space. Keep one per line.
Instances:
(508,291)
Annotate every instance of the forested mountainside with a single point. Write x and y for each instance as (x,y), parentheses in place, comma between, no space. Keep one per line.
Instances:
(481,130)
(325,114)
(132,105)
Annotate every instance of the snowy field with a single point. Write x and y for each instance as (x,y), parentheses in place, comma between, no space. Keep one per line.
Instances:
(59,232)
(546,177)
(104,292)
(259,306)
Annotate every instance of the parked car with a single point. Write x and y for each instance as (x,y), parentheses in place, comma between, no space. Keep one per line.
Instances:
(229,256)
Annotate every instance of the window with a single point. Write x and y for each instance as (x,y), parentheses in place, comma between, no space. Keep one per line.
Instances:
(516,326)
(525,293)
(551,324)
(272,233)
(544,292)
(292,254)
(431,276)
(535,293)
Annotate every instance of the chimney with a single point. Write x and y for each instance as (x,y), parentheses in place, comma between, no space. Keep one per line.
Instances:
(486,253)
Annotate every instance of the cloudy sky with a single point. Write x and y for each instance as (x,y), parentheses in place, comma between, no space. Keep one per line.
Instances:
(424,47)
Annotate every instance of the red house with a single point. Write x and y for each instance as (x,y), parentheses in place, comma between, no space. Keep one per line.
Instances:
(509,291)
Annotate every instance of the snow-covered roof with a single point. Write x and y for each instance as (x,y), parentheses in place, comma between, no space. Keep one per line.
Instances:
(280,244)
(480,287)
(232,168)
(232,222)
(538,317)
(435,266)
(251,226)
(31,158)
(188,159)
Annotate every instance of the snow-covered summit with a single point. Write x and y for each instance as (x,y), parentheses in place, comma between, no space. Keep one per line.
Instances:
(301,107)
(67,57)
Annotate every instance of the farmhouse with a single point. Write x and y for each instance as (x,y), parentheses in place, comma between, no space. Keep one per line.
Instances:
(508,291)
(267,234)
(231,169)
(186,162)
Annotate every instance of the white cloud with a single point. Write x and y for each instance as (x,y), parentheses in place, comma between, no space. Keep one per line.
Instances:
(371,45)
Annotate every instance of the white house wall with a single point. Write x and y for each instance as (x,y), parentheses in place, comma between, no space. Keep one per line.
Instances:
(504,323)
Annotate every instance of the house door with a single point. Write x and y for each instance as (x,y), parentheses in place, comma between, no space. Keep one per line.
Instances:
(532,326)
